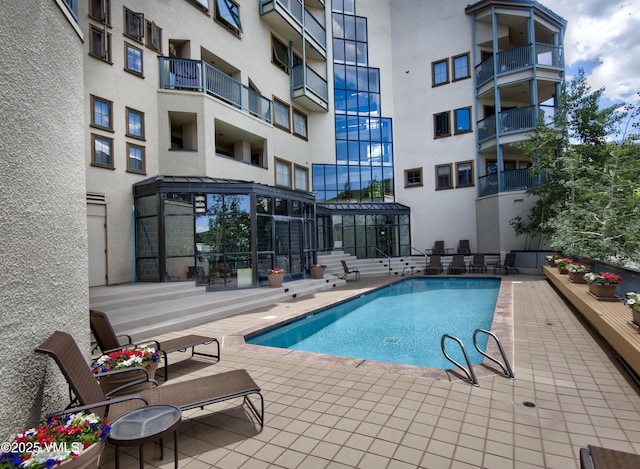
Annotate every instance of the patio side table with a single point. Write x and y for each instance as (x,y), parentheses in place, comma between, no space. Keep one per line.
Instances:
(143,425)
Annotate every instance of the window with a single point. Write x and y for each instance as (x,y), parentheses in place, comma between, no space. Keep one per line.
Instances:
(133,59)
(101,151)
(72,7)
(100,10)
(302,178)
(299,124)
(443,177)
(227,13)
(441,125)
(135,124)
(413,177)
(154,37)
(279,54)
(203,3)
(462,120)
(101,113)
(100,44)
(135,158)
(134,25)
(440,72)
(283,173)
(464,174)
(281,114)
(461,67)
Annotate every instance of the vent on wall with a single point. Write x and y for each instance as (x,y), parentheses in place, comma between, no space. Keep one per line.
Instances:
(95,198)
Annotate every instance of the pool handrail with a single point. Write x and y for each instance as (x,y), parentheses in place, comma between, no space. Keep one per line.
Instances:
(471,376)
(506,368)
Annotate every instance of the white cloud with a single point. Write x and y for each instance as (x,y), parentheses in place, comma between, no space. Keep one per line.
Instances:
(603,38)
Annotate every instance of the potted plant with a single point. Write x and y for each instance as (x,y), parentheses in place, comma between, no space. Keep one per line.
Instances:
(551,259)
(317,270)
(275,276)
(562,264)
(72,440)
(603,285)
(577,271)
(632,299)
(110,369)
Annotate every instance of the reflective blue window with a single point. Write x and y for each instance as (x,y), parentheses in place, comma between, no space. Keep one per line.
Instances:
(352,102)
(338,50)
(374,104)
(351,74)
(361,53)
(338,25)
(350,52)
(354,152)
(462,120)
(339,79)
(342,153)
(350,27)
(340,100)
(361,29)
(341,127)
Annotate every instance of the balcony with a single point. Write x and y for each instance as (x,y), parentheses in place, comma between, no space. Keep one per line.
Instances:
(309,89)
(515,120)
(505,181)
(293,21)
(518,59)
(195,75)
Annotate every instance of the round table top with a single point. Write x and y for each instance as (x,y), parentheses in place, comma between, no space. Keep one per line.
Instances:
(145,424)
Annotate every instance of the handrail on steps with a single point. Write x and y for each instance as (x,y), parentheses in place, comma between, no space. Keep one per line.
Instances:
(387,256)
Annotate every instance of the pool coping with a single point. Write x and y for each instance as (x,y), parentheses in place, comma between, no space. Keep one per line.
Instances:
(502,326)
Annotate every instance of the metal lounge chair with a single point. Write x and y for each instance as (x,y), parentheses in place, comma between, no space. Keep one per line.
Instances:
(477,264)
(107,340)
(86,393)
(594,457)
(509,263)
(438,248)
(434,267)
(464,247)
(457,265)
(348,271)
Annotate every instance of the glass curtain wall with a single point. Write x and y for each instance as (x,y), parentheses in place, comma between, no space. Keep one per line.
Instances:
(372,235)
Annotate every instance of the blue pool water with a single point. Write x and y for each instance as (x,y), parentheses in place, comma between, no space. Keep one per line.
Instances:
(400,323)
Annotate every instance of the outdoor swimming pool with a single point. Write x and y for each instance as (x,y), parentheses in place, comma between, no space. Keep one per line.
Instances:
(400,323)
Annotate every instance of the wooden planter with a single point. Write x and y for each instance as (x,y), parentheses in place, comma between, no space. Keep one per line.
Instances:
(317,272)
(603,292)
(562,269)
(275,280)
(577,277)
(635,314)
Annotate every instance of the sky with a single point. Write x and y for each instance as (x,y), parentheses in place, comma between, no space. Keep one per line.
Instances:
(603,37)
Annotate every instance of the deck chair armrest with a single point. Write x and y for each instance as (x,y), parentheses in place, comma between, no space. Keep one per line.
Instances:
(95,405)
(128,337)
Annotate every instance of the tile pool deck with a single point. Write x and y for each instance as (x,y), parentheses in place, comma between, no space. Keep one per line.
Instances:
(323,413)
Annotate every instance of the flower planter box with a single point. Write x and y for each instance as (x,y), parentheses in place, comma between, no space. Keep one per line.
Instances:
(563,269)
(577,277)
(317,272)
(275,280)
(603,292)
(635,314)
(88,459)
(113,382)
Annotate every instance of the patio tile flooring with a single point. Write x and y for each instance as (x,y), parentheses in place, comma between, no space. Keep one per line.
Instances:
(320,414)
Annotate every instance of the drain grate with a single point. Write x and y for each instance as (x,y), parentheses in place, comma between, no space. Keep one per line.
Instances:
(392,340)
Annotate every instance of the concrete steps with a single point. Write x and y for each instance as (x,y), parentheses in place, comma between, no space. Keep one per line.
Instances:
(148,310)
(396,266)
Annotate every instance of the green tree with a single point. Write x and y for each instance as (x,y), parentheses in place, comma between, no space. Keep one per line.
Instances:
(588,198)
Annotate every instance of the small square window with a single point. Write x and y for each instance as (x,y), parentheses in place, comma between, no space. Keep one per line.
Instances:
(154,37)
(100,10)
(462,120)
(302,178)
(135,158)
(134,25)
(464,174)
(228,13)
(443,177)
(461,67)
(101,151)
(100,44)
(281,114)
(299,124)
(441,125)
(283,173)
(440,72)
(135,124)
(133,59)
(101,113)
(413,177)
(279,54)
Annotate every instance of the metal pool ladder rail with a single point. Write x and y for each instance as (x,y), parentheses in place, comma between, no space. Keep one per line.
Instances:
(471,376)
(506,368)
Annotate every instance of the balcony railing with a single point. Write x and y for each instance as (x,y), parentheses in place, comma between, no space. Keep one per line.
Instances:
(514,120)
(519,58)
(304,76)
(195,75)
(301,15)
(514,180)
